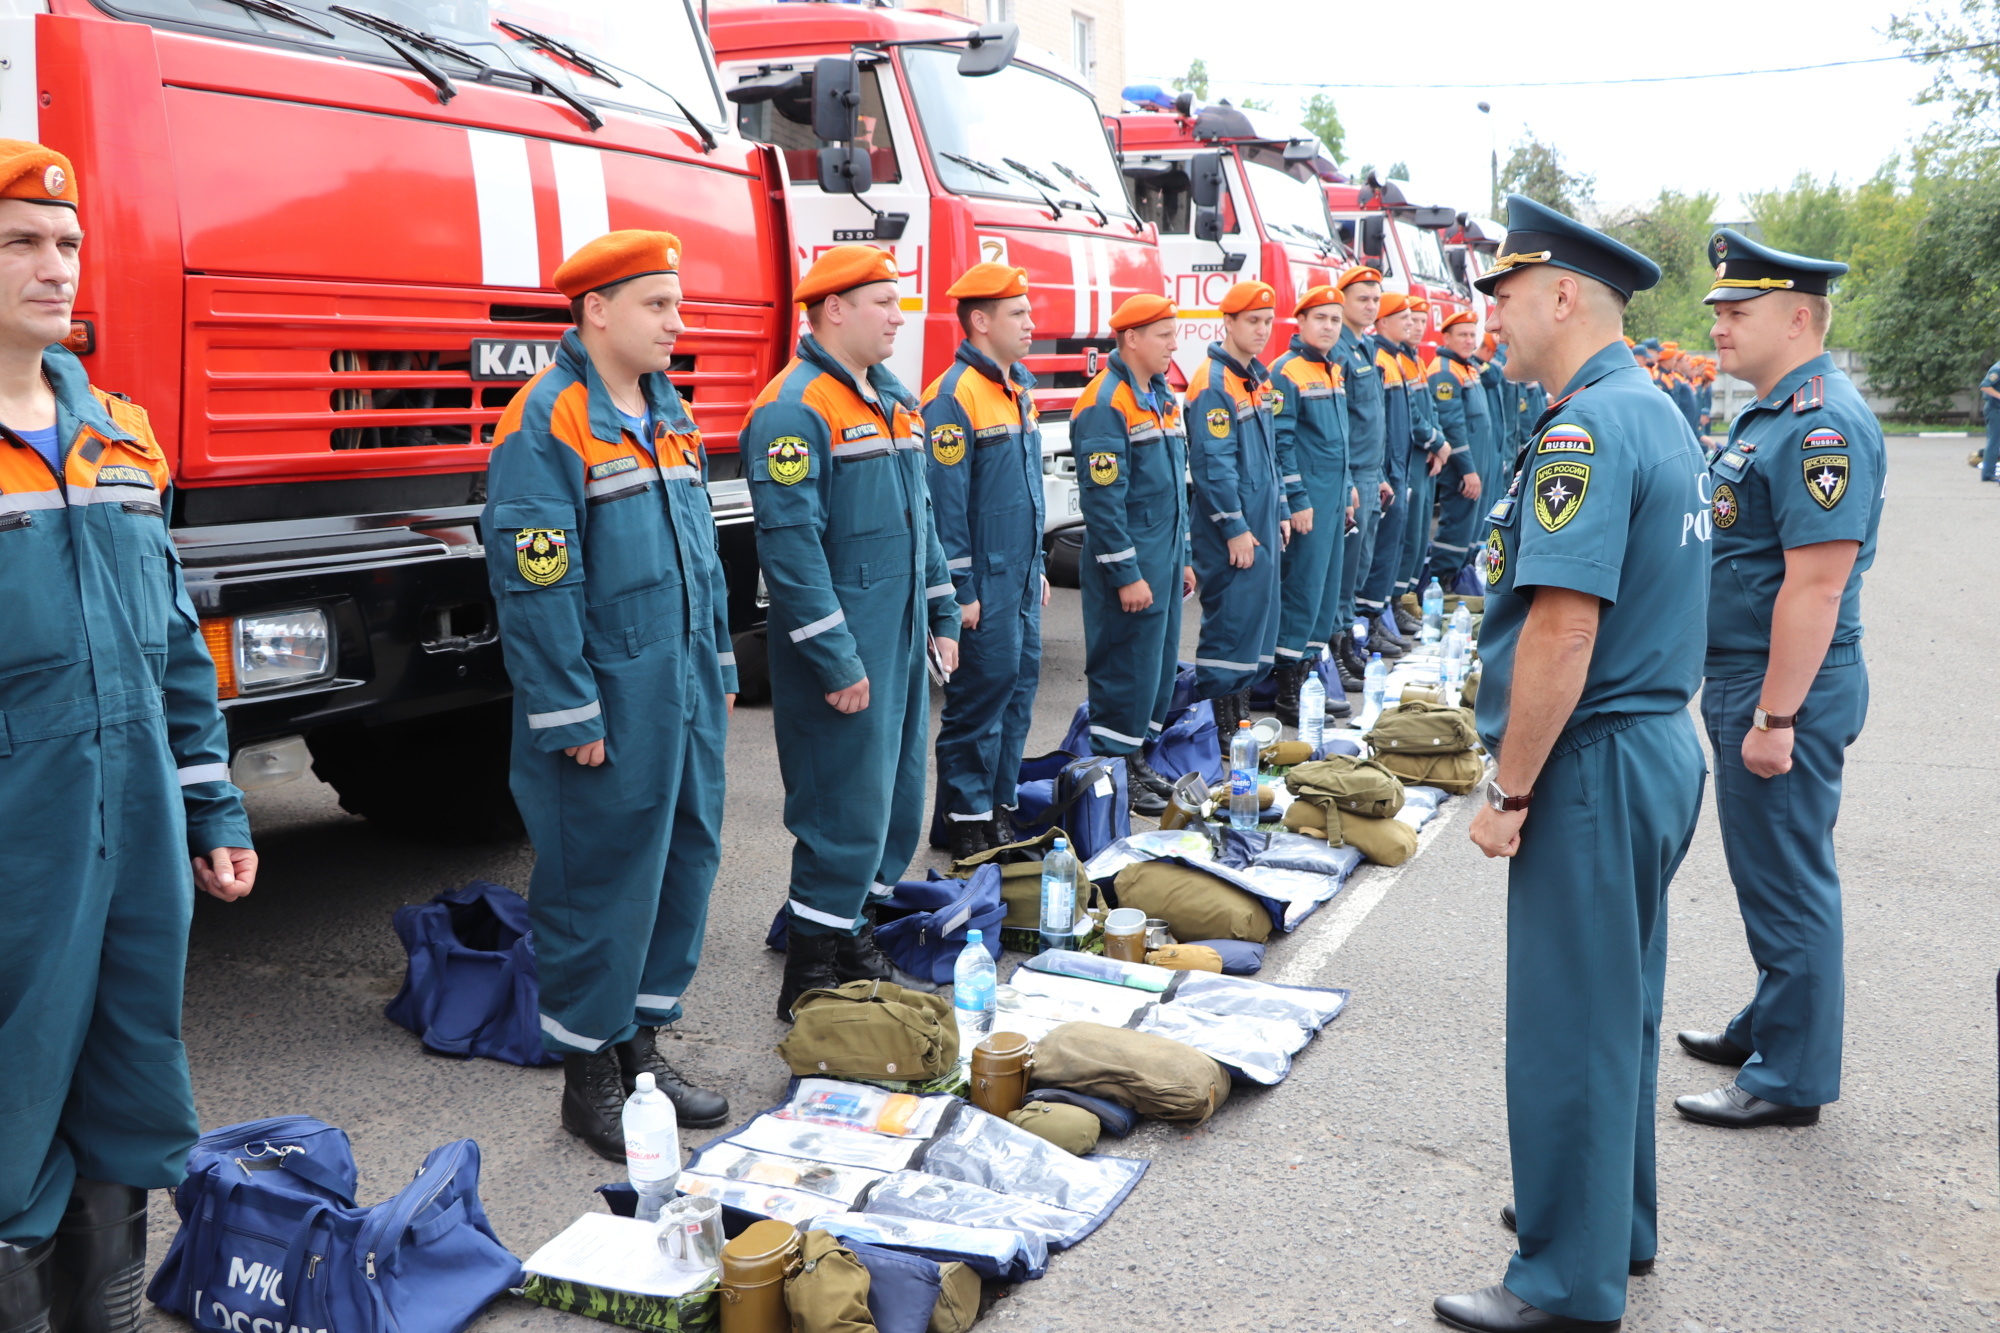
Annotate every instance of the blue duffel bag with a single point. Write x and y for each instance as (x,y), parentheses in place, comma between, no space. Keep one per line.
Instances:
(471,988)
(922,925)
(1188,745)
(1089,799)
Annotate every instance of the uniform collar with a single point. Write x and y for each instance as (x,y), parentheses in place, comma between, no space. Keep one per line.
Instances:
(1349,338)
(1613,356)
(1300,347)
(886,386)
(1018,375)
(607,423)
(1792,383)
(1159,389)
(74,399)
(1450,355)
(1254,373)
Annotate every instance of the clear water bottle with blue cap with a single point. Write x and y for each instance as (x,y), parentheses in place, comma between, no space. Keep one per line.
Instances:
(1058,897)
(1312,709)
(1243,778)
(1461,620)
(1374,688)
(973,980)
(1433,611)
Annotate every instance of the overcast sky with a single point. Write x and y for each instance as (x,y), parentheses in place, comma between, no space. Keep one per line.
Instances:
(1732,136)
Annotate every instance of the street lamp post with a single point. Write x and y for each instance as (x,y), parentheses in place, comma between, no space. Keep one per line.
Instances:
(1492,160)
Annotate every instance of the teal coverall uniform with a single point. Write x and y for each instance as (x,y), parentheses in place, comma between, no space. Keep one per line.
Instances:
(985,475)
(1309,413)
(1131,475)
(1399,435)
(1240,485)
(1458,517)
(613,616)
(114,766)
(1609,492)
(1991,407)
(857,579)
(1367,451)
(1802,466)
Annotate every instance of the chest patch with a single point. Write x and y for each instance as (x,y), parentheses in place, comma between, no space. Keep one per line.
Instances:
(1559,492)
(1566,440)
(788,460)
(1104,468)
(948,444)
(1218,422)
(122,474)
(1724,509)
(613,467)
(542,555)
(1823,438)
(1826,479)
(863,431)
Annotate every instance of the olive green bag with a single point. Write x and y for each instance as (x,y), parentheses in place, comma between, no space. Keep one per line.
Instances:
(1360,785)
(871,1030)
(957,1308)
(1456,773)
(829,1292)
(1153,1075)
(1417,727)
(1195,904)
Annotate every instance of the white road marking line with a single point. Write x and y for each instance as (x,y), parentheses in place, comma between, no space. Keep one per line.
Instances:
(1352,907)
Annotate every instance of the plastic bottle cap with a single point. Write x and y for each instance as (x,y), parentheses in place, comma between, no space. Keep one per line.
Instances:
(1061,844)
(1244,725)
(971,937)
(1374,657)
(643,1083)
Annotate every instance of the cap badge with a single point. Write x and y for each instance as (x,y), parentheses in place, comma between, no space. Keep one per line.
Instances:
(1722,270)
(53,181)
(673,257)
(1721,247)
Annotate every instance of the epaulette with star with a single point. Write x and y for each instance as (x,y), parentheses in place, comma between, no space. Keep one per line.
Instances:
(1811,394)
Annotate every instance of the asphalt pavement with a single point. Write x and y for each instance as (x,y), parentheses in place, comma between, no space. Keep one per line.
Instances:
(1371,1179)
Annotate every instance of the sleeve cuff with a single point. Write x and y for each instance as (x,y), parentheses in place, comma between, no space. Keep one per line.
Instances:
(555,729)
(1592,577)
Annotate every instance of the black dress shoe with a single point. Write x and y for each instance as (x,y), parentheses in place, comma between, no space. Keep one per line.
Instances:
(1732,1108)
(100,1259)
(1495,1309)
(697,1108)
(1714,1048)
(593,1102)
(1636,1267)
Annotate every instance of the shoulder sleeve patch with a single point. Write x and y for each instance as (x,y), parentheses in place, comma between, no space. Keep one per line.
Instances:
(1559,491)
(1444,393)
(1218,422)
(788,460)
(948,443)
(1104,468)
(1826,479)
(1566,438)
(1823,439)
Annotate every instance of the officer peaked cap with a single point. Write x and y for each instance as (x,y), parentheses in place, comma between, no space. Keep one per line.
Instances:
(1537,234)
(1744,269)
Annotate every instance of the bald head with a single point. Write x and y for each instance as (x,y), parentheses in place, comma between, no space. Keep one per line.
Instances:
(1552,320)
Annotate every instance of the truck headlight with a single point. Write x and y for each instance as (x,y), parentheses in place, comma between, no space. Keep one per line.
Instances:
(278,649)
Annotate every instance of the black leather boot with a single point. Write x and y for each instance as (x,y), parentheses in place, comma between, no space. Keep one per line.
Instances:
(808,966)
(1411,626)
(697,1108)
(1289,675)
(1346,665)
(1141,774)
(1003,826)
(27,1286)
(1338,709)
(1228,712)
(969,837)
(593,1103)
(100,1259)
(859,958)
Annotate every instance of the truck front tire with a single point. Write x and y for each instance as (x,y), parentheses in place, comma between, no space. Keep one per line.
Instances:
(441,778)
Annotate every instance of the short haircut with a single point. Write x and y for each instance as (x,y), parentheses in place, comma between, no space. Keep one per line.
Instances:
(816,312)
(576,306)
(1820,310)
(965,308)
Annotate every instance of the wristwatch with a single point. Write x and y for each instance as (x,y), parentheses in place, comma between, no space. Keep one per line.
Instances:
(1504,803)
(1764,721)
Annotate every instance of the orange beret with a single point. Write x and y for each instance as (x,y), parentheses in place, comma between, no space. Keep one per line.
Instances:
(1457,318)
(1393,303)
(1418,304)
(989,282)
(1141,309)
(1670,347)
(37,174)
(842,269)
(1322,295)
(1359,273)
(1251,295)
(1631,342)
(617,257)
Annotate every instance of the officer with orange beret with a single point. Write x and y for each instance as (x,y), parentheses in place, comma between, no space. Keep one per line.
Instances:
(116,788)
(986,493)
(1130,445)
(1464,415)
(613,615)
(834,448)
(1367,408)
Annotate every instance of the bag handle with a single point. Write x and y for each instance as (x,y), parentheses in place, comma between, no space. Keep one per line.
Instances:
(301,1264)
(389,1221)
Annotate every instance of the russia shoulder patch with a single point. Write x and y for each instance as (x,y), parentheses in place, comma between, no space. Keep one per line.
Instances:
(1566,439)
(1823,438)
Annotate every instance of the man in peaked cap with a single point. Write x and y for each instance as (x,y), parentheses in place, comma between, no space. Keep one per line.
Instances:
(1130,446)
(117,792)
(986,490)
(1796,501)
(1596,608)
(835,450)
(614,618)
(1243,496)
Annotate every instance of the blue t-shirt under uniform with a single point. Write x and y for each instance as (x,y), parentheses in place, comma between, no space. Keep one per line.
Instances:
(640,425)
(43,442)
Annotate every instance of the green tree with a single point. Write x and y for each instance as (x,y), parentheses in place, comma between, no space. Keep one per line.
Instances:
(1399,171)
(1673,232)
(1323,120)
(1255,104)
(1806,217)
(1965,82)
(1195,80)
(1928,313)
(1537,170)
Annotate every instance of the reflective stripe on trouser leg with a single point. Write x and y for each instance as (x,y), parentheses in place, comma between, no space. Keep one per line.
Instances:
(1357,552)
(1377,584)
(997,663)
(1586,963)
(1777,834)
(1308,566)
(1458,519)
(1126,656)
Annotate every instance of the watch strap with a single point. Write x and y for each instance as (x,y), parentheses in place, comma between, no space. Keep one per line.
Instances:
(1767,720)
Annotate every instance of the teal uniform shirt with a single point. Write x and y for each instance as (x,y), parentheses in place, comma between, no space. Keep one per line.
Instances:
(1992,408)
(1606,500)
(1804,465)
(1992,381)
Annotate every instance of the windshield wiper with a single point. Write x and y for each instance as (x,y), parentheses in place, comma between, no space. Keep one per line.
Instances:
(385,27)
(272,9)
(974,164)
(1074,178)
(1033,175)
(1038,181)
(541,83)
(390,32)
(554,46)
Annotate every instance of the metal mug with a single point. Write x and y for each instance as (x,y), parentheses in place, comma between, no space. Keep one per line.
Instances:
(1125,935)
(1000,1066)
(1158,934)
(691,1232)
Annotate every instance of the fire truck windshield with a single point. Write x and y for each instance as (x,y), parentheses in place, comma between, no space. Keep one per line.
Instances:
(1018,134)
(1294,211)
(657,45)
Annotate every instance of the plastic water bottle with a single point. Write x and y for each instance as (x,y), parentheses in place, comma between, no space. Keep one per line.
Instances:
(1374,687)
(1058,897)
(1433,612)
(972,982)
(1312,710)
(1243,777)
(1461,620)
(652,1147)
(1454,668)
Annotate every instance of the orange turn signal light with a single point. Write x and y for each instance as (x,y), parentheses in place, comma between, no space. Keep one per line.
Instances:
(219,633)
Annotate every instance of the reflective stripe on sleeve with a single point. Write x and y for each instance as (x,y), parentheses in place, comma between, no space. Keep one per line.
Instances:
(1129,553)
(725,659)
(937,590)
(194,773)
(563,717)
(817,627)
(963,562)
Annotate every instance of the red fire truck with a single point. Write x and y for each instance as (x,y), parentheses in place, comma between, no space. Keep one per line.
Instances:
(948,145)
(320,238)
(1389,229)
(1236,195)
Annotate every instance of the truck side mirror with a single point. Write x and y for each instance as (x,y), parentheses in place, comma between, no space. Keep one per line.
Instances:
(989,49)
(1205,180)
(1208,224)
(836,98)
(1371,238)
(845,169)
